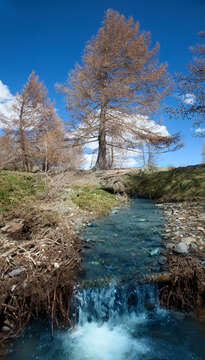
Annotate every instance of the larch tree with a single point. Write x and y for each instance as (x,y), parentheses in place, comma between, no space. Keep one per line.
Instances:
(24,118)
(35,128)
(7,151)
(48,137)
(120,75)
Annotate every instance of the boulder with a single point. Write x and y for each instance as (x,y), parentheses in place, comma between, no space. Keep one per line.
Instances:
(181,248)
(116,187)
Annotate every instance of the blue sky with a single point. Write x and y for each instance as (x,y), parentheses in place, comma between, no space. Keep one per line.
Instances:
(49,36)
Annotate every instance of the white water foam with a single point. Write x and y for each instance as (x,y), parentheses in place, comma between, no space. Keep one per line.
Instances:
(106,341)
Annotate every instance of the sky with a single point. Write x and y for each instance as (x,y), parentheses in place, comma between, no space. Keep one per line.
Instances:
(49,36)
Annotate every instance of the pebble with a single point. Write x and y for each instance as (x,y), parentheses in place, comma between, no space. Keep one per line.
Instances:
(16,272)
(184,223)
(169,246)
(5,328)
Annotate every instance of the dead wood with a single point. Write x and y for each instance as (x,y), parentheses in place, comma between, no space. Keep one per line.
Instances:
(37,273)
(183,288)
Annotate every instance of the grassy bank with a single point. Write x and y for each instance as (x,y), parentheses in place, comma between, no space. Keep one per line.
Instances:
(179,184)
(17,187)
(98,201)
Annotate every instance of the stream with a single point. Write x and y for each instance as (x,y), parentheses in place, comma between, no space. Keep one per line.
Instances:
(116,315)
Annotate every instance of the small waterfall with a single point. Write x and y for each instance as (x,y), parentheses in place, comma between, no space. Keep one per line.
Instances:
(108,321)
(112,302)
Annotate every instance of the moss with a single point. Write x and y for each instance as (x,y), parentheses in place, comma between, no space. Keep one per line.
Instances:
(183,183)
(96,200)
(16,187)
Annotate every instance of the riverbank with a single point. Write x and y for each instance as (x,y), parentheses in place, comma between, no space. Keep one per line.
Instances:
(184,237)
(177,184)
(40,251)
(180,195)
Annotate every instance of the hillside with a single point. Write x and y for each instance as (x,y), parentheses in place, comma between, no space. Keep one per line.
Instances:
(178,184)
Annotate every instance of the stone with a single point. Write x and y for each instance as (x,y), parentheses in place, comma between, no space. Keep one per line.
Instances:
(13,287)
(162,260)
(169,246)
(13,227)
(56,265)
(188,240)
(181,248)
(16,272)
(5,328)
(201,229)
(91,224)
(116,187)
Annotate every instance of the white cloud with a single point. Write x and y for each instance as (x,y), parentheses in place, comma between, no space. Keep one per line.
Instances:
(5,94)
(7,101)
(89,161)
(200,131)
(130,162)
(91,146)
(189,99)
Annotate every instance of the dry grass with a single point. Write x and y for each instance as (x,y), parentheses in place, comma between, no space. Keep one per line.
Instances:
(48,256)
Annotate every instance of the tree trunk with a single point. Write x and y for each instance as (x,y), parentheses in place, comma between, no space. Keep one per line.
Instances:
(22,142)
(101,163)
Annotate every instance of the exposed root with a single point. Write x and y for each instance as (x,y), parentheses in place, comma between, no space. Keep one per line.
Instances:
(184,287)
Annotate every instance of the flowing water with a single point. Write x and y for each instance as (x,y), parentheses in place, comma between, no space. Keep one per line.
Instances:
(117,317)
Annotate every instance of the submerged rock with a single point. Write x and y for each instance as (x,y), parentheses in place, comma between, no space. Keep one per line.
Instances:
(162,260)
(154,252)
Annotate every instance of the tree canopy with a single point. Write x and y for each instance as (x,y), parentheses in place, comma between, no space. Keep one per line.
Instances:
(33,132)
(119,76)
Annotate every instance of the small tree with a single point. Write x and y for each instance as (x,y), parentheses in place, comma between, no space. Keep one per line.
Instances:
(120,74)
(35,128)
(25,117)
(7,151)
